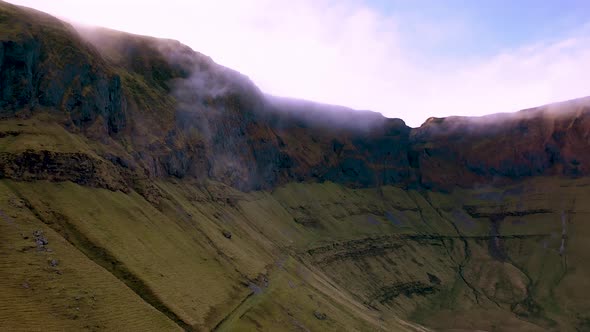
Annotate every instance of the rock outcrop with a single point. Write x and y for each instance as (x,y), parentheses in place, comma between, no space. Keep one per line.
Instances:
(46,64)
(179,114)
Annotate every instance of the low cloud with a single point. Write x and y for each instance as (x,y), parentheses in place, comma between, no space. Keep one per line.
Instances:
(346,52)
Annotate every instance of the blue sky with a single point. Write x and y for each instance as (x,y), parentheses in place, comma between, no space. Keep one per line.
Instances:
(489,25)
(406,59)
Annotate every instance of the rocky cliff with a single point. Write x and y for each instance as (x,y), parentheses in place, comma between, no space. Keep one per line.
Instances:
(185,116)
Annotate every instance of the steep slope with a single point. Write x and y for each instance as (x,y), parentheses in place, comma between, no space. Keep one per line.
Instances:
(144,187)
(175,112)
(548,140)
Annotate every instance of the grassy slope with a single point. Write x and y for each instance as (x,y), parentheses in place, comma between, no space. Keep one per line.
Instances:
(77,294)
(182,257)
(187,263)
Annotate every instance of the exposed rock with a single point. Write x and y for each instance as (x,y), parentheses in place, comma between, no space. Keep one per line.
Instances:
(409,289)
(320,315)
(478,212)
(231,132)
(307,221)
(433,279)
(355,249)
(40,239)
(47,64)
(258,285)
(16,202)
(548,140)
(226,233)
(80,168)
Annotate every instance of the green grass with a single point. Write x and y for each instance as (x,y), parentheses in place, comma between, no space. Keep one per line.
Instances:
(174,257)
(77,294)
(40,132)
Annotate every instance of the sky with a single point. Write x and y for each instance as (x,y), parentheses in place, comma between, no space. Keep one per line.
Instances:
(409,59)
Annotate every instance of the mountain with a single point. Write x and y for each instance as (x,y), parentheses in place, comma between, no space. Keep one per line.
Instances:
(145,187)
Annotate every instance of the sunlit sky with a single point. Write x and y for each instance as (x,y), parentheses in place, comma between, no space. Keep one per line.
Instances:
(410,59)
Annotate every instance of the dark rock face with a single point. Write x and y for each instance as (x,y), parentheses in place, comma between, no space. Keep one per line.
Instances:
(548,140)
(251,141)
(18,61)
(40,240)
(48,65)
(182,115)
(47,165)
(320,315)
(389,293)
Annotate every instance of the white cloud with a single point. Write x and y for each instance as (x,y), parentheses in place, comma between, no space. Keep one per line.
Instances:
(347,53)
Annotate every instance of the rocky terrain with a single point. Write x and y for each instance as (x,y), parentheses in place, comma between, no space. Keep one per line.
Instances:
(145,187)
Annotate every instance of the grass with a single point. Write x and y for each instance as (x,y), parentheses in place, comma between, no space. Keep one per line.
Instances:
(139,236)
(40,132)
(77,294)
(290,302)
(173,256)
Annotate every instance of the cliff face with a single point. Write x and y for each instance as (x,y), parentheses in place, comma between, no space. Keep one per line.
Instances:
(144,186)
(548,140)
(44,64)
(185,116)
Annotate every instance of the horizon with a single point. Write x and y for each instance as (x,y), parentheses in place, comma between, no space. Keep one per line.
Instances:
(416,61)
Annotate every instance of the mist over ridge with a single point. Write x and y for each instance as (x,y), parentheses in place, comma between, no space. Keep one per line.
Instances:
(351,53)
(208,79)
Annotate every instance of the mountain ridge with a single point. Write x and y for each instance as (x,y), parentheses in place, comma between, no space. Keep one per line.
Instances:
(158,82)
